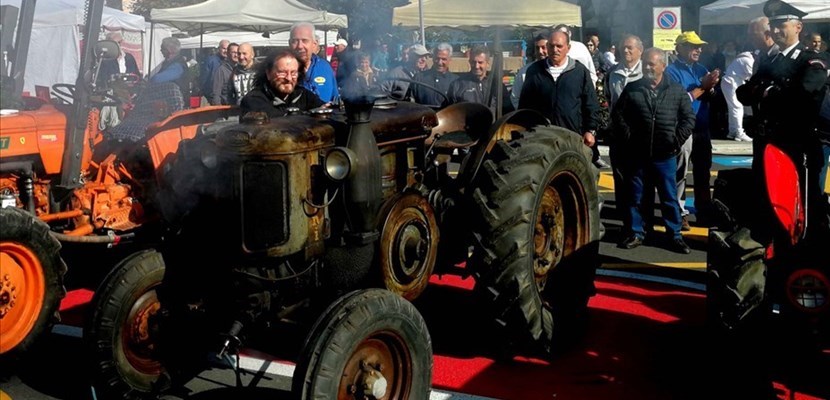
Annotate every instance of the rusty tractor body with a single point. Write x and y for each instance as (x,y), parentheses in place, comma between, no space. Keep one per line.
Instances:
(268,219)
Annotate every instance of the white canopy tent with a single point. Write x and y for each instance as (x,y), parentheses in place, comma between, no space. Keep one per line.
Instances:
(211,40)
(740,12)
(244,15)
(459,13)
(54,49)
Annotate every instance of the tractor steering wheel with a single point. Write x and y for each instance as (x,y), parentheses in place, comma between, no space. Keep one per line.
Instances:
(65,92)
(430,87)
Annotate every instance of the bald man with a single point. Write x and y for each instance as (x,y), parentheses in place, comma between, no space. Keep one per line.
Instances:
(209,67)
(242,79)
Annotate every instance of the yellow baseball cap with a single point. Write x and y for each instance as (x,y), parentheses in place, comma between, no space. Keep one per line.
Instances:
(689,37)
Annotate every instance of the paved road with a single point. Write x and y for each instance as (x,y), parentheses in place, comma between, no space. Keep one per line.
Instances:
(651,259)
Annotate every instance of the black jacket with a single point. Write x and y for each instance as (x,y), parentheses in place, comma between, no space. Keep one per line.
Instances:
(111,67)
(787,91)
(435,79)
(569,102)
(653,126)
(262,99)
(470,89)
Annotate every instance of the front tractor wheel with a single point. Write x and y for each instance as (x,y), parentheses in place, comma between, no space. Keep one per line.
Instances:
(536,248)
(408,245)
(369,344)
(123,330)
(31,281)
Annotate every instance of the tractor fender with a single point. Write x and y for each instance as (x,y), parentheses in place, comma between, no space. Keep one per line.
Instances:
(519,120)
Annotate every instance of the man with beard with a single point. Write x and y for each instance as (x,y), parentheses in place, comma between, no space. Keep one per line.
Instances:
(788,92)
(560,88)
(477,86)
(319,77)
(540,52)
(438,77)
(276,88)
(399,90)
(700,84)
(653,116)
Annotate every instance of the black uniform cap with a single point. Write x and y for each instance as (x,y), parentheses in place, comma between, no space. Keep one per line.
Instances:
(777,10)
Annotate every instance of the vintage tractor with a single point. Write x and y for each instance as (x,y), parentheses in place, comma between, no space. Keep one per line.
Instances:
(62,180)
(268,220)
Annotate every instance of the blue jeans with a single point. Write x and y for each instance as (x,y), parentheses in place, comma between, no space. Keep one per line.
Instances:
(662,174)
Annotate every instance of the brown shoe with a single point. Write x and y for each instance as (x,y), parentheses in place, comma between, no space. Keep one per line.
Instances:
(684,225)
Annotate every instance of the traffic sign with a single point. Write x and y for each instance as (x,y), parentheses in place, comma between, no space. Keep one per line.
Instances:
(667,25)
(667,20)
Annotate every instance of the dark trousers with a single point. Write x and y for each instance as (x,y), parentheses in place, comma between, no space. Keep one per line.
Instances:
(701,159)
(662,174)
(619,166)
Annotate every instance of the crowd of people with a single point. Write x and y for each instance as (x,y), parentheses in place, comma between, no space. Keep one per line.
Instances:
(655,109)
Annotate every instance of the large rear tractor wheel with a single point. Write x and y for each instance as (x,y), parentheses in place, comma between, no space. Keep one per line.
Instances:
(369,344)
(536,248)
(31,281)
(123,330)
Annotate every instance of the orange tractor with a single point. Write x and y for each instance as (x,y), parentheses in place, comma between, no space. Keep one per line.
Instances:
(63,180)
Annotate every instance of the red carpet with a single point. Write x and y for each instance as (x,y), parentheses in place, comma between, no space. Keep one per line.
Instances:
(644,341)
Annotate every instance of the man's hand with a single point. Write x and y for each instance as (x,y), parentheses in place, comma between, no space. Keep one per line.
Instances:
(589,139)
(709,80)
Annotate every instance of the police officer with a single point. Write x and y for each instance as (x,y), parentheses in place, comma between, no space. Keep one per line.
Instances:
(787,91)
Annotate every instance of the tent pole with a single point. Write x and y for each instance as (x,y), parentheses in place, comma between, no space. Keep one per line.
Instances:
(150,56)
(421,21)
(201,36)
(498,72)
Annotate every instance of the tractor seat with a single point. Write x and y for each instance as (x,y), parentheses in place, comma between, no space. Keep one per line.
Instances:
(155,103)
(453,140)
(460,125)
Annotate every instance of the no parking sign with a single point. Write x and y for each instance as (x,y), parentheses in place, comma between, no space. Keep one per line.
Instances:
(666,27)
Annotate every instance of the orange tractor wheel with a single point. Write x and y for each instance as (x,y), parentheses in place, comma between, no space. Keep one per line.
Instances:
(31,280)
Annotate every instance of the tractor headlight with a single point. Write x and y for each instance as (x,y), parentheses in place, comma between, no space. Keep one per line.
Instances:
(809,290)
(338,163)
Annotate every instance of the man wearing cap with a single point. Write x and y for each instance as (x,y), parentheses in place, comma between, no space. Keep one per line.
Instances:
(340,47)
(438,77)
(319,77)
(699,84)
(399,90)
(788,92)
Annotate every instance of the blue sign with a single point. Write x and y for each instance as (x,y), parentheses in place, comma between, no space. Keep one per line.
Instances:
(732,161)
(667,20)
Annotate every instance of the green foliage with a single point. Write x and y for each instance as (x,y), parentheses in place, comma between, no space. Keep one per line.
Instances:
(143,7)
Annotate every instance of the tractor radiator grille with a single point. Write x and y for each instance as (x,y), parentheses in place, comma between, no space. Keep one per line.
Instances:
(264,205)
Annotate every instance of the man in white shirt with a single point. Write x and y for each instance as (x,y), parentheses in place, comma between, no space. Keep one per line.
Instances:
(738,72)
(579,52)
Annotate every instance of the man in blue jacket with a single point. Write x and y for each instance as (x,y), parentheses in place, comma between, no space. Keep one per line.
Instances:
(699,84)
(319,77)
